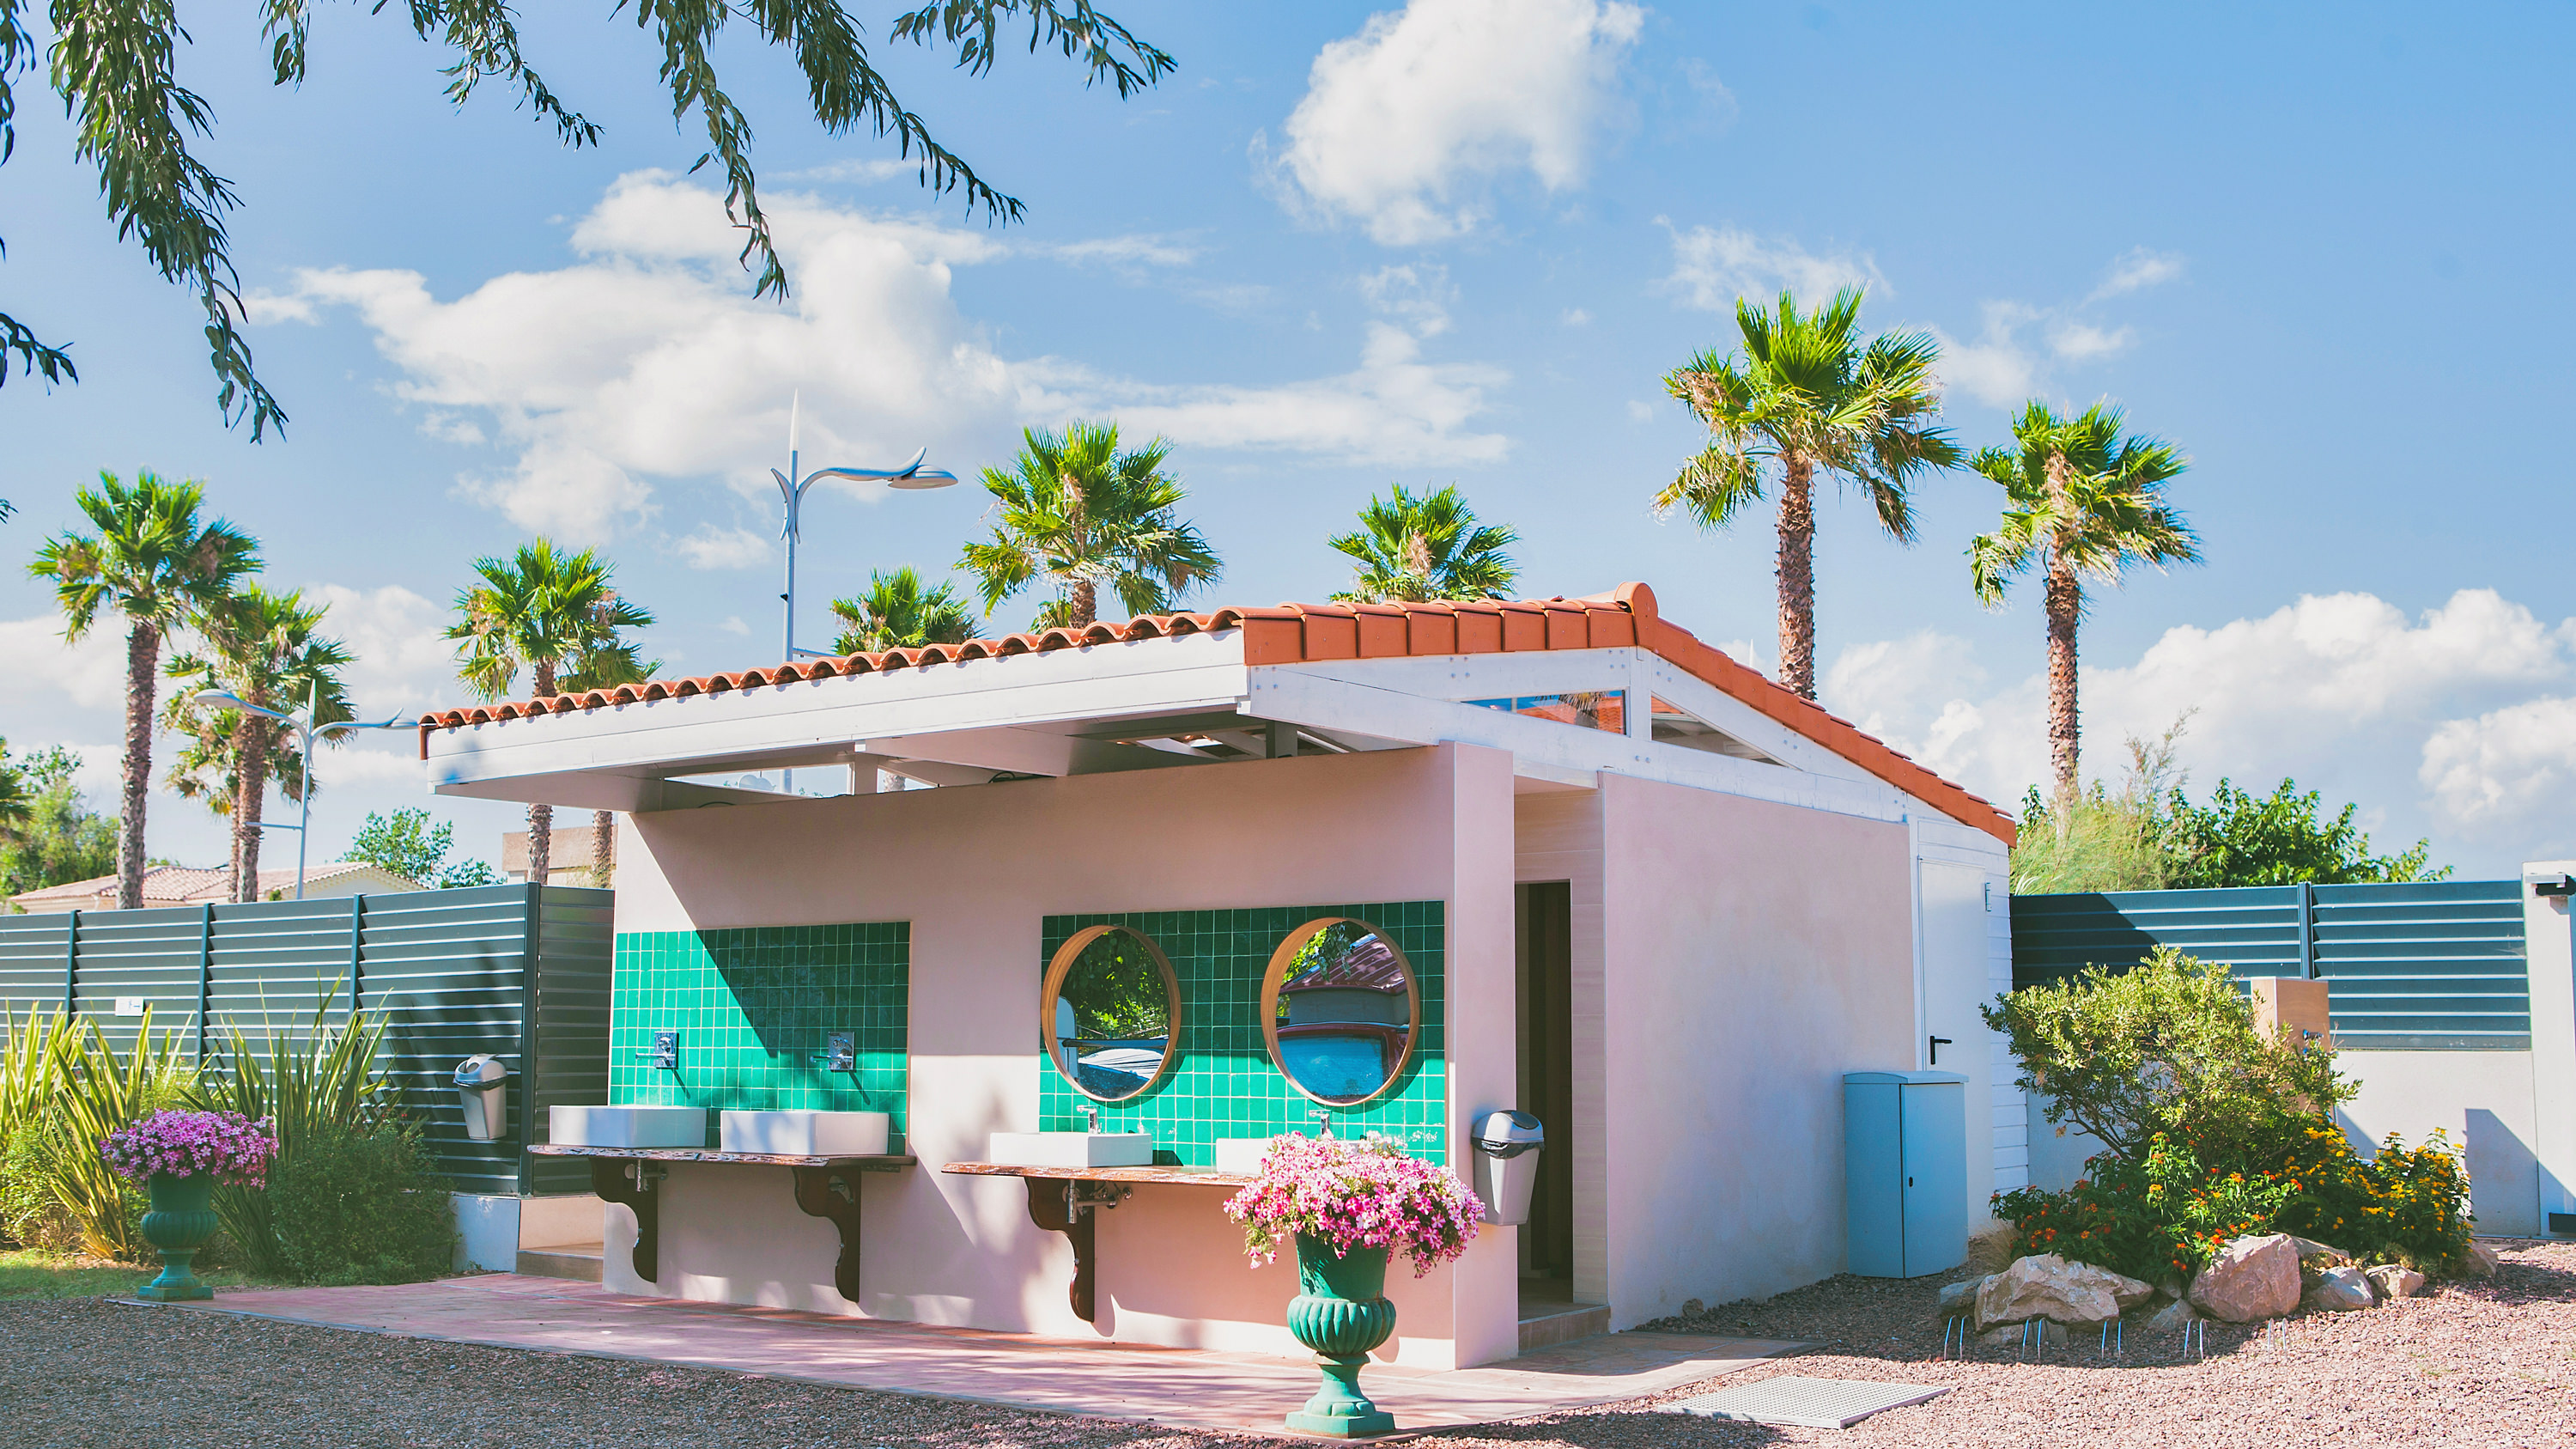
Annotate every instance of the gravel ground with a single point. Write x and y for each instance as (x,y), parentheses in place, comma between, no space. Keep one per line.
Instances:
(2486,1364)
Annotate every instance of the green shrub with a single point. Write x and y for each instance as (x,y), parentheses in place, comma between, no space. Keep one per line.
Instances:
(319,1080)
(100,1092)
(360,1204)
(2405,1205)
(2168,1047)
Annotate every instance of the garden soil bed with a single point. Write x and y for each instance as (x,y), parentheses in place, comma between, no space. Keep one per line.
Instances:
(2486,1364)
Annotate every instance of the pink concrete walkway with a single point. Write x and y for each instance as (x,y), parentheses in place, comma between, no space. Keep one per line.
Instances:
(1177,1386)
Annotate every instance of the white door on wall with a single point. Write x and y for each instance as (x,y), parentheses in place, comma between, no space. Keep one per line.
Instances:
(1956,942)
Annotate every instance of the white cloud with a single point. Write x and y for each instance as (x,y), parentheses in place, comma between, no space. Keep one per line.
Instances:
(1576,317)
(1996,368)
(403,663)
(1403,124)
(2136,269)
(92,672)
(733,624)
(1417,296)
(1712,266)
(1715,98)
(712,547)
(2082,341)
(1129,252)
(648,361)
(881,169)
(1395,409)
(2454,724)
(1640,412)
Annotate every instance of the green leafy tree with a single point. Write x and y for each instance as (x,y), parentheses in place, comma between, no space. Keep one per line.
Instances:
(898,612)
(2169,1047)
(59,839)
(405,843)
(153,562)
(114,63)
(1078,513)
(1805,393)
(554,616)
(2239,839)
(1413,550)
(265,649)
(2081,501)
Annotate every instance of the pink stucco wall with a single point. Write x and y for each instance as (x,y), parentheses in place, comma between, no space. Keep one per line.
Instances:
(1753,953)
(975,870)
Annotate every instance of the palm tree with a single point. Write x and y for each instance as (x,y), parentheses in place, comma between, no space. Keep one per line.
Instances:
(1806,393)
(554,615)
(154,562)
(1416,549)
(898,613)
(263,648)
(1079,513)
(2079,500)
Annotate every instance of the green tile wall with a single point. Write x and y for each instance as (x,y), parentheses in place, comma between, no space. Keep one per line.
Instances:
(1225,1085)
(752,1007)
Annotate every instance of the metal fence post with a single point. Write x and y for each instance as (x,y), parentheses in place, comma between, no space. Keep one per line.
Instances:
(357,948)
(205,977)
(2308,930)
(71,965)
(530,941)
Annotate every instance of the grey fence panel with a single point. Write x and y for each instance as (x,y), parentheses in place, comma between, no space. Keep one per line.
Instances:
(137,961)
(455,972)
(2436,965)
(575,943)
(35,954)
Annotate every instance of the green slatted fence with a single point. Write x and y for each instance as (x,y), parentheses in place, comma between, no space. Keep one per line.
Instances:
(2424,966)
(515,970)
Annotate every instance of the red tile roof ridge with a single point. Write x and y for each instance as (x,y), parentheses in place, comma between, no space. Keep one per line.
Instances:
(1292,632)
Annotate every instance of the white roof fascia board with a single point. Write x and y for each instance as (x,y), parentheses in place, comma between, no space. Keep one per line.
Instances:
(1941,838)
(1303,694)
(1660,676)
(681,736)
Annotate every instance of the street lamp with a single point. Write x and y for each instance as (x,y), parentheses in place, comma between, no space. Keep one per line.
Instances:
(306,734)
(791,490)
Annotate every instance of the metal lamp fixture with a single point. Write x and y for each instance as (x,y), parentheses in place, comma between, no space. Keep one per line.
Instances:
(791,491)
(305,733)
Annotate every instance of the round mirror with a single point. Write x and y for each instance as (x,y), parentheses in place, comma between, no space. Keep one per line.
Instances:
(1340,1009)
(1109,1011)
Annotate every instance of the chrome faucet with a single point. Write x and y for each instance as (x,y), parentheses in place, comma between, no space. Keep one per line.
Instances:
(1324,1119)
(1092,1116)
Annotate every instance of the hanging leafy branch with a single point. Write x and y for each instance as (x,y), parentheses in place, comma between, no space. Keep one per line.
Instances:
(113,62)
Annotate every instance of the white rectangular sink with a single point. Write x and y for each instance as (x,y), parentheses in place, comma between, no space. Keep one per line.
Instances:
(1072,1149)
(627,1126)
(802,1133)
(1241,1154)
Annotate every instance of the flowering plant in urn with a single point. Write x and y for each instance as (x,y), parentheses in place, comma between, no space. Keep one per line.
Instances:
(223,1146)
(1348,1206)
(1366,1194)
(179,1157)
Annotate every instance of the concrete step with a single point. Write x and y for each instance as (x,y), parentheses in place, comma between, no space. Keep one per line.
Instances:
(1544,1325)
(576,1261)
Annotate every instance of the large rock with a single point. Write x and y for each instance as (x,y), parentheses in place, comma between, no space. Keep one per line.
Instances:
(2340,1289)
(2251,1278)
(2479,1261)
(2047,1286)
(2172,1318)
(2315,1258)
(2396,1280)
(1958,1298)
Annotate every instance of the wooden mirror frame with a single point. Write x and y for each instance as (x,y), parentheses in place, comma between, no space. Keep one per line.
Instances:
(1061,966)
(1277,976)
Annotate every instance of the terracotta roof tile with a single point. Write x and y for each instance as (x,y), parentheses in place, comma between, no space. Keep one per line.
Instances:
(1299,633)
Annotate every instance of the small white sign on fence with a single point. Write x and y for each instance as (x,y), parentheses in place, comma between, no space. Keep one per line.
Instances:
(129,1006)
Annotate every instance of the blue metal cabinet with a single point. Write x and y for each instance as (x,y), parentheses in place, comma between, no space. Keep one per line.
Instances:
(1905,1143)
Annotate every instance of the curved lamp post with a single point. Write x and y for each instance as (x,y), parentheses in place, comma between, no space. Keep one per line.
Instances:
(305,733)
(791,491)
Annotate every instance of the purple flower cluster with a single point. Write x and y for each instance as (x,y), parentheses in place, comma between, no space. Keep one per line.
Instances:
(227,1145)
(1354,1194)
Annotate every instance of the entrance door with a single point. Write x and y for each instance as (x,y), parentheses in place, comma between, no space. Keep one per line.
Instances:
(1547,1078)
(1957,942)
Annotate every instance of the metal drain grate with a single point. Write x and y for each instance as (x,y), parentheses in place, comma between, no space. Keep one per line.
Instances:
(1804,1402)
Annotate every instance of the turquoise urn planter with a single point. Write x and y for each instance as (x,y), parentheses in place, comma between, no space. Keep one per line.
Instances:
(1340,1312)
(181,1220)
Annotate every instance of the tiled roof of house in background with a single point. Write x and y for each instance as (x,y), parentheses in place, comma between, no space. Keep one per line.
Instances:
(1297,633)
(181,885)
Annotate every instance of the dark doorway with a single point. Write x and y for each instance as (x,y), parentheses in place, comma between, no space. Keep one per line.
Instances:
(1546,1033)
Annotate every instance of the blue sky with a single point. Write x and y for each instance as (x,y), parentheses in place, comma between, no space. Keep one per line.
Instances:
(1458,241)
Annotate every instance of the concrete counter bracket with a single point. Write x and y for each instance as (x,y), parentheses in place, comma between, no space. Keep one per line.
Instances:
(1062,1200)
(826,1188)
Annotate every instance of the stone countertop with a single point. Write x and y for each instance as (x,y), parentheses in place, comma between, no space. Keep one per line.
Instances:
(1183,1176)
(889,1163)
